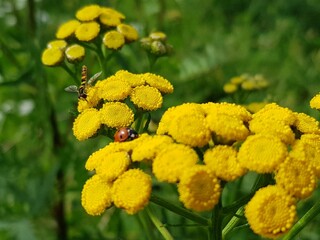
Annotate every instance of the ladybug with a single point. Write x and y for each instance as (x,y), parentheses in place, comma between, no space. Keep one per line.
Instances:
(125,134)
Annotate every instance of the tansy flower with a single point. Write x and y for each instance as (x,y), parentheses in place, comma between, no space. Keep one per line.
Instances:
(158,36)
(146,97)
(91,100)
(52,56)
(230,88)
(96,158)
(271,212)
(315,102)
(110,17)
(96,195)
(62,44)
(199,189)
(67,29)
(131,191)
(88,13)
(222,161)
(255,106)
(162,84)
(172,161)
(86,124)
(248,85)
(87,31)
(296,177)
(113,89)
(149,148)
(75,53)
(116,115)
(262,153)
(132,79)
(112,165)
(113,40)
(306,124)
(129,32)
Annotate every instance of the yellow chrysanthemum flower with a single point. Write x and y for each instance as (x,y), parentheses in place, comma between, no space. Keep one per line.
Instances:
(271,212)
(129,32)
(172,161)
(199,189)
(315,102)
(227,127)
(67,29)
(96,195)
(86,124)
(116,115)
(113,40)
(296,177)
(113,89)
(131,191)
(222,161)
(237,80)
(75,53)
(262,153)
(248,85)
(161,36)
(306,124)
(132,79)
(62,44)
(91,101)
(52,57)
(88,13)
(87,31)
(230,88)
(149,148)
(110,17)
(162,84)
(255,106)
(96,158)
(113,165)
(146,97)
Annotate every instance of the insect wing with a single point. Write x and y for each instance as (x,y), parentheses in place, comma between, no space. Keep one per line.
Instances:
(94,78)
(72,88)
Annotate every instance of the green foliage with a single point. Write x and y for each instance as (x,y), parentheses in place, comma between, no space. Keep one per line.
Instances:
(42,165)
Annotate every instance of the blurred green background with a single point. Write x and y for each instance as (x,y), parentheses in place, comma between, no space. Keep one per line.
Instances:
(42,165)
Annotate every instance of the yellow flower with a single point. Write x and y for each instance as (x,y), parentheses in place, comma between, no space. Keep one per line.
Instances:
(132,79)
(113,165)
(88,13)
(116,115)
(262,153)
(296,177)
(199,189)
(96,195)
(62,44)
(113,40)
(162,84)
(110,17)
(87,31)
(315,102)
(52,56)
(158,36)
(306,124)
(146,97)
(75,53)
(237,80)
(255,106)
(248,85)
(149,148)
(67,29)
(113,89)
(91,101)
(271,212)
(129,32)
(172,161)
(222,161)
(96,158)
(230,88)
(86,124)
(131,191)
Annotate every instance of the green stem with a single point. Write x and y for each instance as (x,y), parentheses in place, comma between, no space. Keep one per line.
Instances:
(233,222)
(161,228)
(214,231)
(179,210)
(311,214)
(146,224)
(72,74)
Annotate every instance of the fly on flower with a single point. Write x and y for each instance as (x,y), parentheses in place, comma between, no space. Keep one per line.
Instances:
(84,83)
(125,134)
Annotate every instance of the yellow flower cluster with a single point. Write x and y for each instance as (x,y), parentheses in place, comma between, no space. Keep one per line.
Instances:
(245,82)
(105,101)
(91,21)
(156,43)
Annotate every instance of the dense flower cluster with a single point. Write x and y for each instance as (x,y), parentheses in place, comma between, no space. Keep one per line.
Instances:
(91,22)
(156,43)
(105,102)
